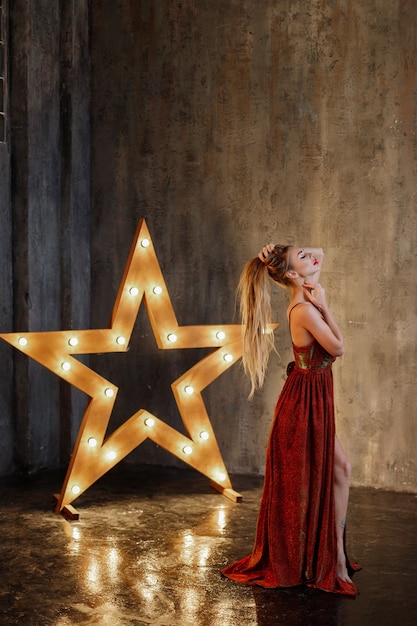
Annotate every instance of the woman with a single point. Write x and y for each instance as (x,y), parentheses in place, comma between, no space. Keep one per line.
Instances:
(300,537)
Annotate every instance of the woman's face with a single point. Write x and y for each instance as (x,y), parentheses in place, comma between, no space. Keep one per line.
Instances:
(302,262)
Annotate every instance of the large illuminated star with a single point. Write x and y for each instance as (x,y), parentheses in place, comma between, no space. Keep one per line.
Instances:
(93,454)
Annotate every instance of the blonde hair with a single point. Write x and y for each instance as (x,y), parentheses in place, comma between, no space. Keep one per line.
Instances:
(254,292)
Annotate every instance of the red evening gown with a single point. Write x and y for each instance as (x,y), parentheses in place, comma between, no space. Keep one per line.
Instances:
(295,540)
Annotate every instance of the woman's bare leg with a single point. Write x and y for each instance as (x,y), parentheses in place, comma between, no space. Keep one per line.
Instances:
(342,472)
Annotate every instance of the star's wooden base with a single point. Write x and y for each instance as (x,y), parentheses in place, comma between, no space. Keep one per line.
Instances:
(68,511)
(228,493)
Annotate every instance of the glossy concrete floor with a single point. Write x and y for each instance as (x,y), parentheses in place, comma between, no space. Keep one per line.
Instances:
(149,545)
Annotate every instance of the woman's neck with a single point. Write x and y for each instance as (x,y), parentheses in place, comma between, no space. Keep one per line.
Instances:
(297,294)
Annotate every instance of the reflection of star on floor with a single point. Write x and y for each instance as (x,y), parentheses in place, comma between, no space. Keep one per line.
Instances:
(93,455)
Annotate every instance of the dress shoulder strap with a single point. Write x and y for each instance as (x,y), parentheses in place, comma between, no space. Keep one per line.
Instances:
(292,308)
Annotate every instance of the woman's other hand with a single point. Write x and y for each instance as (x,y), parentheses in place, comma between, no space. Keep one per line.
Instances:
(265,252)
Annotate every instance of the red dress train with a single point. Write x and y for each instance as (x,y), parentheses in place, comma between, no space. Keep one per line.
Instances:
(295,540)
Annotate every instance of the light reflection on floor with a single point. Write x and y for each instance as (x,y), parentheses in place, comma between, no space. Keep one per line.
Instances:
(148,549)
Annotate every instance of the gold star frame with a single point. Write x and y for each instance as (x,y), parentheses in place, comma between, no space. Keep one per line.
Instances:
(93,454)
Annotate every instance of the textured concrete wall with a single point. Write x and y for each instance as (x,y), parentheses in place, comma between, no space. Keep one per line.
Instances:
(34,114)
(46,234)
(6,307)
(228,124)
(6,314)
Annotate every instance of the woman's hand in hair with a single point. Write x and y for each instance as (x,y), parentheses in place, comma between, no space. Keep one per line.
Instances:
(265,252)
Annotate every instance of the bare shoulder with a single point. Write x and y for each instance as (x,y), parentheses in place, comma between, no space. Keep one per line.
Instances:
(305,314)
(302,309)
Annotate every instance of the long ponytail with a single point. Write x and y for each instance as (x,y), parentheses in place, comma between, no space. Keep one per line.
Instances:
(254,292)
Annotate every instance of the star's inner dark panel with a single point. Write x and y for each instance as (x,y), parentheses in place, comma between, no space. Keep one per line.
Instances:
(144,375)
